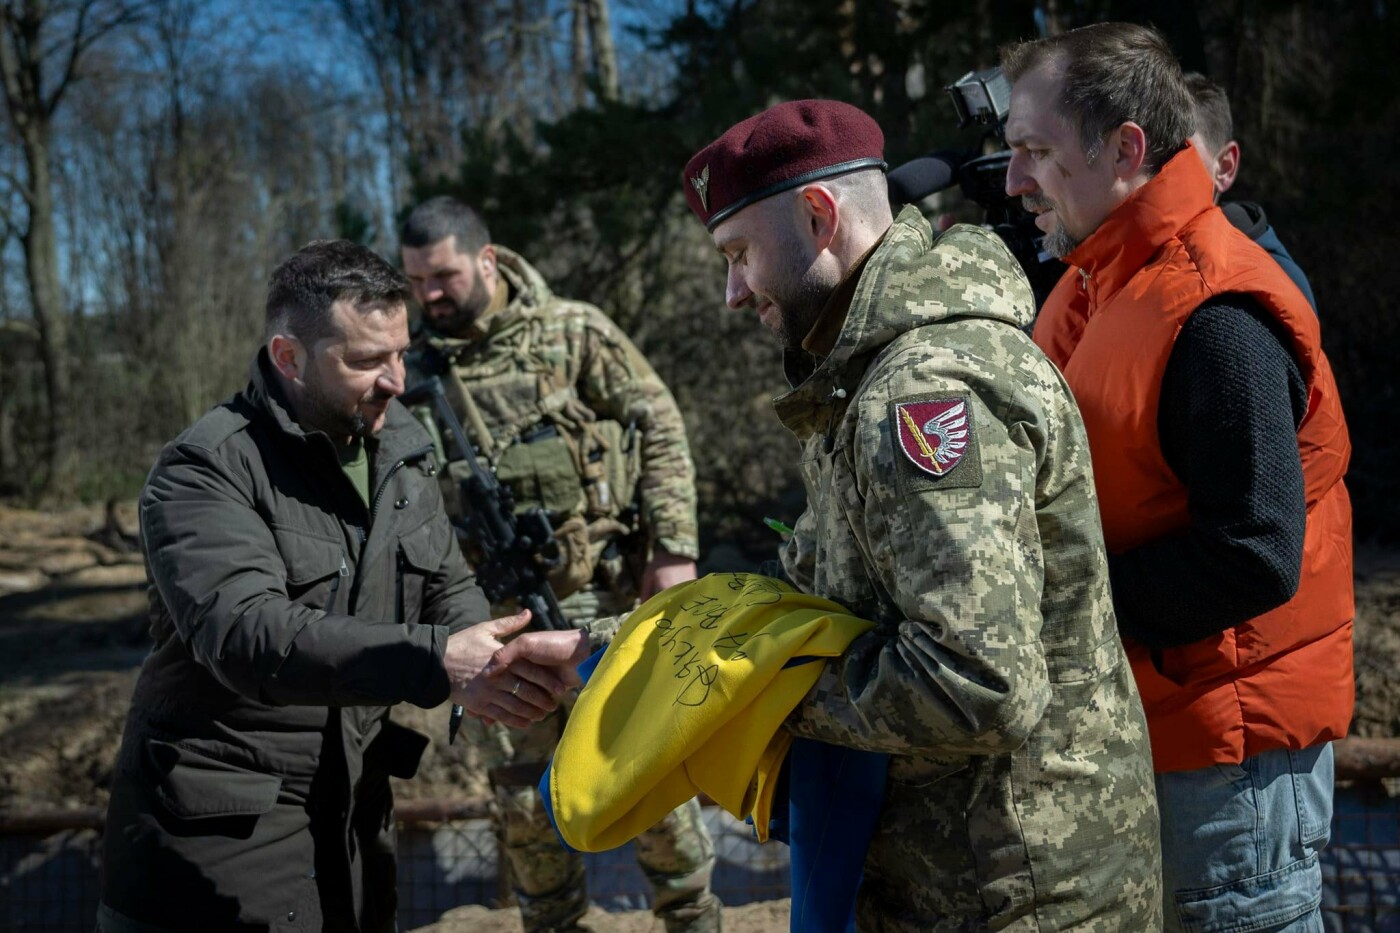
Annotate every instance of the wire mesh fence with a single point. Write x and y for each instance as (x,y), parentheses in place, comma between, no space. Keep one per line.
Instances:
(50,876)
(1361,865)
(448,864)
(49,883)
(50,865)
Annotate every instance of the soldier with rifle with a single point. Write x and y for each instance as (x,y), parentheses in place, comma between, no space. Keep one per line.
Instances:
(574,422)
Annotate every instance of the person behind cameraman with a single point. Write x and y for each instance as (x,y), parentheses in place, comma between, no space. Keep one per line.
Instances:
(1219,447)
(304,578)
(576,422)
(1215,143)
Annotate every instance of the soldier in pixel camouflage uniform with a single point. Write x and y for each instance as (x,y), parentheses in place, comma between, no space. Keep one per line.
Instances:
(574,420)
(950,499)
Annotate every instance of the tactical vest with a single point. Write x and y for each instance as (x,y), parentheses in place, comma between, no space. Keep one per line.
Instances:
(519,405)
(1283,679)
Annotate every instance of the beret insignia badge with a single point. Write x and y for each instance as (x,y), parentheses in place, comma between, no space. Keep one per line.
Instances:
(934,434)
(701,183)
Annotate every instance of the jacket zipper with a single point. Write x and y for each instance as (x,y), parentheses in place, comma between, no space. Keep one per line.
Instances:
(374,508)
(829,441)
(398,590)
(384,483)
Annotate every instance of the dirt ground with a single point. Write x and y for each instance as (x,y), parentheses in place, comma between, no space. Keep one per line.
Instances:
(73,633)
(764,917)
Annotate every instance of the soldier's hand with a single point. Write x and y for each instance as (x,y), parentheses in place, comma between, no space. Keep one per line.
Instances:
(549,659)
(536,662)
(515,703)
(524,685)
(664,572)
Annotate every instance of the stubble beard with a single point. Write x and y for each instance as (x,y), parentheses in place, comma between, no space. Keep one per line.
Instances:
(464,314)
(801,303)
(321,412)
(1058,242)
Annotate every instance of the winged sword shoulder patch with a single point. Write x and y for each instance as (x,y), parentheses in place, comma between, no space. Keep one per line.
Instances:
(936,436)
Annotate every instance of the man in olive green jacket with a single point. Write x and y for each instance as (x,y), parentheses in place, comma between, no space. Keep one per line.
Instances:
(949,499)
(304,578)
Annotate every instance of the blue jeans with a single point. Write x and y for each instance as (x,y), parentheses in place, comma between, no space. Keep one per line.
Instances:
(1240,843)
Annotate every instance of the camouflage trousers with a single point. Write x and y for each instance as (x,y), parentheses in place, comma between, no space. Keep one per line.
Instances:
(676,855)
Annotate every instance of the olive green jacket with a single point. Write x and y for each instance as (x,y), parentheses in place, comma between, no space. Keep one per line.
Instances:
(950,499)
(252,781)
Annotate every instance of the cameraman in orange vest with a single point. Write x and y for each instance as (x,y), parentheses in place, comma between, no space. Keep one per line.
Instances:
(1218,446)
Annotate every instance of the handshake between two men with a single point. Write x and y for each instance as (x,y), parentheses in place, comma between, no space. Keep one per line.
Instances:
(516,682)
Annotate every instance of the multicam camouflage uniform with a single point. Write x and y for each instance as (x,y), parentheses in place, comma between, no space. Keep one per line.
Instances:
(577,422)
(1020,793)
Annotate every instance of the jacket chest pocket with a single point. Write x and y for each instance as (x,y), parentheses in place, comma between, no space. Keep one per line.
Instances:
(542,473)
(817,470)
(506,395)
(842,569)
(420,553)
(316,567)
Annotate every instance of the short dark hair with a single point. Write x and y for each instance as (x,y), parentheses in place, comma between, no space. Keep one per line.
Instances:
(1114,73)
(1213,120)
(438,218)
(303,288)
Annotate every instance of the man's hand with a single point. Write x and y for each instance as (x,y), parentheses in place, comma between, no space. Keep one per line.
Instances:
(516,683)
(664,572)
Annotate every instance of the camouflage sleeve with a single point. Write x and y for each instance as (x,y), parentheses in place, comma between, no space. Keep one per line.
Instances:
(617,382)
(798,555)
(961,668)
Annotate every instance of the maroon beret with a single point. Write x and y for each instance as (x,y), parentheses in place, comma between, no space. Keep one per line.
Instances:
(785,146)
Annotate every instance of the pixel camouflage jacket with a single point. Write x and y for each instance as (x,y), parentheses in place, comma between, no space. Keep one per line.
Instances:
(950,498)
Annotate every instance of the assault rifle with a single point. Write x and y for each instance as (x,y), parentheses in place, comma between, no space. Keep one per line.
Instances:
(515,551)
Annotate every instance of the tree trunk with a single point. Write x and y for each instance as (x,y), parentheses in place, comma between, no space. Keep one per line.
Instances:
(579,47)
(604,52)
(36,72)
(41,266)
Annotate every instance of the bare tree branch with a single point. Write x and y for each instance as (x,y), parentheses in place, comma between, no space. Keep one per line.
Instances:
(83,38)
(18,184)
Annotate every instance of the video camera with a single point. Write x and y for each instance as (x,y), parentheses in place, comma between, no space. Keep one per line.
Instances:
(982,98)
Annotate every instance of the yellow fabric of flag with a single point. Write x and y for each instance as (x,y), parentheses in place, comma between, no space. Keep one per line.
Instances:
(690,698)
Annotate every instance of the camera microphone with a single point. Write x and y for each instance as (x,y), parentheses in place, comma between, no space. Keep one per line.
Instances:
(921,177)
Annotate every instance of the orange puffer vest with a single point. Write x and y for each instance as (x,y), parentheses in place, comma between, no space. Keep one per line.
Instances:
(1282,679)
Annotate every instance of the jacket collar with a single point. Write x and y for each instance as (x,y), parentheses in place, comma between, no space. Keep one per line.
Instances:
(266,394)
(401,435)
(1247,217)
(821,339)
(1140,226)
(910,280)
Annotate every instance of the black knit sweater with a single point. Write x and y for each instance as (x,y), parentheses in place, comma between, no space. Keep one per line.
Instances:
(1232,399)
